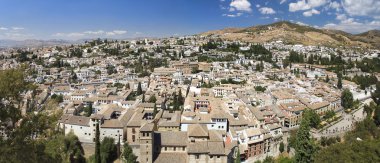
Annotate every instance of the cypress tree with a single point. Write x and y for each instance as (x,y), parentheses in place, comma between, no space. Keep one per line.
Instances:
(139,89)
(154,110)
(97,145)
(305,147)
(339,85)
(238,159)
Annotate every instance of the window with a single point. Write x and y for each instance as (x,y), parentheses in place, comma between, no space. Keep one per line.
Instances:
(211,157)
(166,148)
(197,157)
(174,149)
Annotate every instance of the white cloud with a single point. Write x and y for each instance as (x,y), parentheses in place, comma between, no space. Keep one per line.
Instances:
(352,26)
(301,5)
(241,5)
(311,12)
(97,33)
(362,7)
(334,5)
(3,28)
(233,15)
(17,28)
(341,17)
(116,32)
(257,5)
(94,32)
(138,33)
(120,32)
(282,1)
(301,23)
(267,10)
(16,36)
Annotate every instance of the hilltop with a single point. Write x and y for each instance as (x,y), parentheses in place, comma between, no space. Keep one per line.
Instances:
(293,33)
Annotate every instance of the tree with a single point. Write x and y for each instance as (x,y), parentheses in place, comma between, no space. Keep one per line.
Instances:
(304,145)
(269,159)
(181,100)
(313,117)
(108,150)
(152,99)
(97,145)
(329,114)
(188,90)
(88,110)
(339,85)
(143,98)
(155,110)
(12,84)
(369,109)
(73,149)
(347,99)
(282,147)
(376,94)
(139,89)
(376,116)
(128,154)
(238,159)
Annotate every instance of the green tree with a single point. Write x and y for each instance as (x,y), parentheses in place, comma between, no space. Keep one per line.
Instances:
(314,118)
(108,150)
(88,110)
(304,145)
(238,159)
(128,154)
(268,159)
(73,149)
(181,100)
(139,89)
(376,94)
(339,85)
(97,145)
(376,116)
(369,109)
(347,99)
(155,110)
(282,147)
(152,99)
(12,84)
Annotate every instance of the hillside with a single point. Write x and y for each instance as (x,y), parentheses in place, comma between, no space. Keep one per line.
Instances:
(298,34)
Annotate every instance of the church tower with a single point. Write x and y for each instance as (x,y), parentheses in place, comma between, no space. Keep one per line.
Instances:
(146,143)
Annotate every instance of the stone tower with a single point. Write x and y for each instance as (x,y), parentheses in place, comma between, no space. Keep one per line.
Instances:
(146,143)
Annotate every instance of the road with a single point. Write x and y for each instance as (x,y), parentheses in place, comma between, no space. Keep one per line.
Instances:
(345,124)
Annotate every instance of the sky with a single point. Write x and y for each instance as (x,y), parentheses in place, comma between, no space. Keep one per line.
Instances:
(85,19)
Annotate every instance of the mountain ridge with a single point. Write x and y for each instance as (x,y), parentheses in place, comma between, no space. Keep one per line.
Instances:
(294,33)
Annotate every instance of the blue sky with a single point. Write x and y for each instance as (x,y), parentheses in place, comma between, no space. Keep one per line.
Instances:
(77,19)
